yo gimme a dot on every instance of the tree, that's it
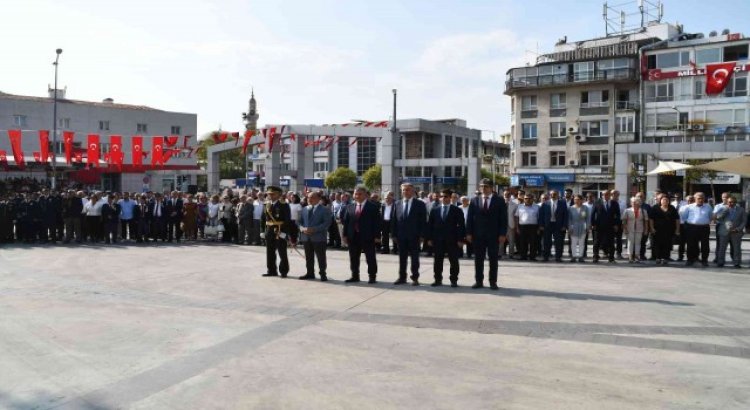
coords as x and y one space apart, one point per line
373 177
340 179
501 180
693 175
231 163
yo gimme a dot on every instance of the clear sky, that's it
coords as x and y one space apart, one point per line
310 61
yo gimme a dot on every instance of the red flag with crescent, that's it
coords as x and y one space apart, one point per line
44 145
68 143
718 76
172 140
246 141
115 150
15 145
92 157
137 150
157 145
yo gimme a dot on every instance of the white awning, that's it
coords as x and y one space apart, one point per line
668 166
738 165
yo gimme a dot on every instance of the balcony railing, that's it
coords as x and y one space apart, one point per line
621 74
626 105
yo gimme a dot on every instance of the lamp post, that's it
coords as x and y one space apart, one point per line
54 124
684 140
492 160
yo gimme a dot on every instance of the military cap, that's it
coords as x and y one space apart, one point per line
272 189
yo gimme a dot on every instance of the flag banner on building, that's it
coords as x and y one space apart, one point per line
171 140
37 156
331 141
157 144
220 137
92 156
718 76
115 150
246 141
4 160
137 151
78 155
354 141
269 137
44 145
236 136
68 143
15 145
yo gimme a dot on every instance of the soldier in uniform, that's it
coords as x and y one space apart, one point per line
275 223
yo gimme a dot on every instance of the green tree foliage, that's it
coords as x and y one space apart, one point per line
693 175
501 180
373 177
231 163
340 179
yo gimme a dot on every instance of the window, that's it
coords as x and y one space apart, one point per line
737 86
529 131
673 59
175 130
660 91
528 103
590 99
557 130
343 152
474 148
720 118
104 148
63 123
583 71
528 159
320 166
557 101
366 154
448 146
594 128
735 53
553 74
20 121
594 158
524 76
103 125
557 158
142 128
459 147
625 123
429 146
708 55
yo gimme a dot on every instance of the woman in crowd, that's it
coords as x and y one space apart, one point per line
190 218
665 223
295 208
202 212
635 224
225 213
578 227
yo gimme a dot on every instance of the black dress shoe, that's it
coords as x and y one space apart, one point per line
705 263
415 282
372 281
400 282
307 277
270 274
494 286
323 277
353 279
437 284
283 276
558 259
454 284
688 263
477 286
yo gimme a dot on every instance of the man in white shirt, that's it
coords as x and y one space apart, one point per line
511 237
527 228
465 202
258 206
387 210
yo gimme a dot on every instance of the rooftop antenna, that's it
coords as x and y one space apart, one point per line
618 18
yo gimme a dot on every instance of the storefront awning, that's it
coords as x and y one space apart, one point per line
668 166
738 165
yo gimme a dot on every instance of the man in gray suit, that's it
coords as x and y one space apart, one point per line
730 225
314 222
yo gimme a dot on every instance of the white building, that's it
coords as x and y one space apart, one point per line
106 118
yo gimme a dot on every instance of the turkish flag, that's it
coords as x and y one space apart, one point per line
44 145
269 137
718 76
137 150
93 150
4 160
115 150
220 137
157 145
248 135
236 136
172 140
15 145
68 142
78 156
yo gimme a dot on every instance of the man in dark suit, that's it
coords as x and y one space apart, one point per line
111 219
605 223
554 221
142 218
361 231
158 211
387 214
313 226
276 225
174 217
446 232
487 224
408 229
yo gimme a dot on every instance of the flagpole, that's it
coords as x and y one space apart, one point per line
53 183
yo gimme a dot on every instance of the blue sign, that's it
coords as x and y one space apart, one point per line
314 183
417 180
284 182
251 174
561 177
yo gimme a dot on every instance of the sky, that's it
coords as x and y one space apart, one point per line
309 61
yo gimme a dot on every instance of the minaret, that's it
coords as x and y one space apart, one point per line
251 117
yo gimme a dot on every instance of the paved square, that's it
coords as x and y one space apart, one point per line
196 326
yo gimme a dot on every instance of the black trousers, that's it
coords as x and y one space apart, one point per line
442 248
174 231
644 242
604 241
158 229
334 237
110 231
275 245
527 241
128 229
356 247
662 245
681 241
553 233
697 237
408 248
618 242
486 247
94 228
315 250
385 239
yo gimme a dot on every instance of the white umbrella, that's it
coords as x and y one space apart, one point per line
738 165
668 166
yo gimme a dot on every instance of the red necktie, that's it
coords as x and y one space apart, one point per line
486 203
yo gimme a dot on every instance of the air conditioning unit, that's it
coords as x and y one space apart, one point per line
320 174
580 138
573 163
572 131
697 127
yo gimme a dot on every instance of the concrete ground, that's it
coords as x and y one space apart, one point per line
197 327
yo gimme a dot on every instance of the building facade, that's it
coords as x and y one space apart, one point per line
572 107
681 122
31 114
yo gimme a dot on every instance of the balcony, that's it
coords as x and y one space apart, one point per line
558 80
626 105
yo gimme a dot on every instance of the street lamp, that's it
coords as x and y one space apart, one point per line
492 163
684 140
54 124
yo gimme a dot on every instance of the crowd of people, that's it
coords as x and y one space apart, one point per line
514 225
